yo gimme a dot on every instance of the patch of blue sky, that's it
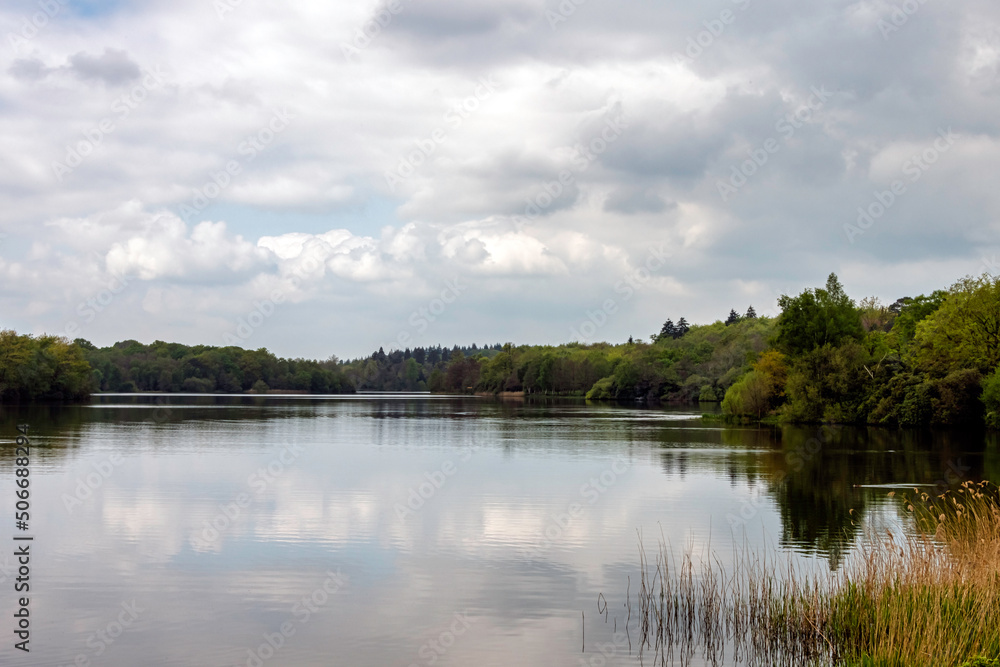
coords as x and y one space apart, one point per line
94 9
252 222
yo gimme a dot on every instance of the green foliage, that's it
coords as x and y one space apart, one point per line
929 360
827 384
436 381
912 312
991 398
957 401
750 396
982 662
603 389
964 332
412 370
708 394
713 354
626 374
817 317
875 316
44 368
760 390
699 365
130 366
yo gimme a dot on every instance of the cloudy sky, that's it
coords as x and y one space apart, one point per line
324 178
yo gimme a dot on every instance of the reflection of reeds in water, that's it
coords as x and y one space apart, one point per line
931 599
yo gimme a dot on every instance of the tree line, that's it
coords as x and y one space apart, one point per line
47 368
418 369
919 361
129 366
928 360
43 368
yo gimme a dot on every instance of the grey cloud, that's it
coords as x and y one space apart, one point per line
441 19
29 69
678 148
630 200
113 67
509 184
689 124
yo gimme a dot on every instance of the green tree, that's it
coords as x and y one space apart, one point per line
682 328
817 317
911 311
750 396
667 330
965 331
991 398
44 368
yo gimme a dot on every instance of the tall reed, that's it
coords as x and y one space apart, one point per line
929 597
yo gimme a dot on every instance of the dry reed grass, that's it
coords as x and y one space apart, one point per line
930 598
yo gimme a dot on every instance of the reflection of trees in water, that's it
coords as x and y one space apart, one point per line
815 516
816 493
813 474
991 458
56 431
817 475
737 453
813 484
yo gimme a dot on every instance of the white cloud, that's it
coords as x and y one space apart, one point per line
318 186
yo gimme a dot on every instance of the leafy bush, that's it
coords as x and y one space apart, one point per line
708 394
991 398
749 397
603 389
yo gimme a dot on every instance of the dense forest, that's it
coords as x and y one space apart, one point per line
42 368
418 369
926 360
52 369
919 361
131 366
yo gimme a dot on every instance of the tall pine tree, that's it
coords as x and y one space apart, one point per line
668 330
681 328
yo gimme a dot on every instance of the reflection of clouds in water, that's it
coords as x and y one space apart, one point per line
334 508
154 525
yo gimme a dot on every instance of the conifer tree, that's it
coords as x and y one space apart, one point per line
668 330
681 328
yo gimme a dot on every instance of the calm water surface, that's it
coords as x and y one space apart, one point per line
409 530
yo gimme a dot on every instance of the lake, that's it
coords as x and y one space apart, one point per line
405 530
